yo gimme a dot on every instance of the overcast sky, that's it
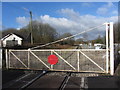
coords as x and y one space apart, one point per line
70 17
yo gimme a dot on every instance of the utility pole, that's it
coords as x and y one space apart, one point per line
31 27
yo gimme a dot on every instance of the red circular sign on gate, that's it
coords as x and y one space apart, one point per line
52 59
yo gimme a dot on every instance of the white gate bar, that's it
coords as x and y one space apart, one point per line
64 60
9 59
39 59
18 59
93 61
63 50
107 52
78 55
6 52
28 59
111 49
52 65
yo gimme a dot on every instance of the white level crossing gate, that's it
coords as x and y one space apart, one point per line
76 60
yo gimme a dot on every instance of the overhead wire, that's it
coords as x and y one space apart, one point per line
18 7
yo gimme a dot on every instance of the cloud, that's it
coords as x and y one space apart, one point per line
69 13
115 12
22 21
85 4
106 9
60 24
73 22
102 11
63 25
18 28
110 4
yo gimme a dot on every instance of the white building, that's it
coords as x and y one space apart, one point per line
11 40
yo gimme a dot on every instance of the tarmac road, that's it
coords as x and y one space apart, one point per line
104 82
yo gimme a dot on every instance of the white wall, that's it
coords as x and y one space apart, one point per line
11 38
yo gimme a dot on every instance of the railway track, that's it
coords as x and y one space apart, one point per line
24 80
65 81
33 80
59 81
51 80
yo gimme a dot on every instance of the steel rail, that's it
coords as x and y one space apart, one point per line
7 85
33 80
65 81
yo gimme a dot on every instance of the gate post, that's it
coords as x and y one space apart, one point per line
1 57
111 36
78 57
107 52
6 55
